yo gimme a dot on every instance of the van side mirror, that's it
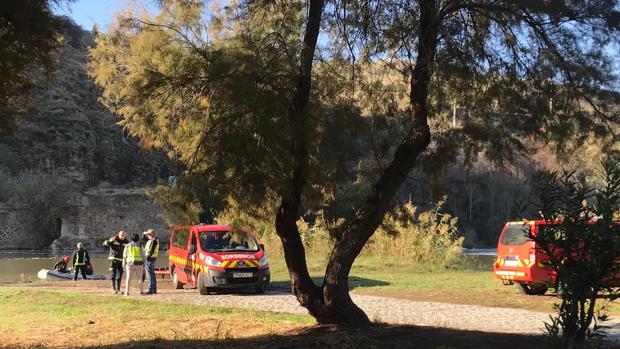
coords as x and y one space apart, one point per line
262 247
192 249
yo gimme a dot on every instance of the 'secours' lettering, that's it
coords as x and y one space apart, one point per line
236 256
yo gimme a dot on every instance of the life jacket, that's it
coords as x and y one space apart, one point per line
80 257
153 250
133 254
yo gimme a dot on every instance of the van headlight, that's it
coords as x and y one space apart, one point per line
263 261
213 262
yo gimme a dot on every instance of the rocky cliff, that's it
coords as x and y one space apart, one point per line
69 129
70 135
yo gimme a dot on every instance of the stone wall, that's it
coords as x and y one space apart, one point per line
99 215
13 234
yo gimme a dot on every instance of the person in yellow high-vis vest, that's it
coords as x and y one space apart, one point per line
151 250
133 260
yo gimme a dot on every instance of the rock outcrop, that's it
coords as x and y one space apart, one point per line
70 134
70 131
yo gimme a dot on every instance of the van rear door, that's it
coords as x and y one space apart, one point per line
514 245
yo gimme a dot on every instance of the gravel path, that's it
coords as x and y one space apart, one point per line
383 309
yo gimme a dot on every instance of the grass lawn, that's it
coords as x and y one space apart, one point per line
376 276
33 316
36 318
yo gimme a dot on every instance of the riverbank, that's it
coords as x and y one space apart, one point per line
40 317
443 304
370 275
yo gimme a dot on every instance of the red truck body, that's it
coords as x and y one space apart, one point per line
520 262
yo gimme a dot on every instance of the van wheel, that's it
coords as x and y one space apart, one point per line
531 289
260 289
202 285
175 280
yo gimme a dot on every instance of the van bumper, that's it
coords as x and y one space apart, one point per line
229 278
534 275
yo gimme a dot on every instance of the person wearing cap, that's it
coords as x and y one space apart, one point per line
80 261
151 250
117 246
133 260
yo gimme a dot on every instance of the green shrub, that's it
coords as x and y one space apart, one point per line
582 242
179 206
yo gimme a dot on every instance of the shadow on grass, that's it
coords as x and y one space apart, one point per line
377 336
354 282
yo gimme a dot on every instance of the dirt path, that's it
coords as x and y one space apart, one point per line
383 309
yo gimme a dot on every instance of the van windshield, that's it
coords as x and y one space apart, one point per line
516 234
223 241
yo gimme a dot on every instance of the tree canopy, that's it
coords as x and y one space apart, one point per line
258 98
29 34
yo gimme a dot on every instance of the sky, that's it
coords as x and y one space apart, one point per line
88 12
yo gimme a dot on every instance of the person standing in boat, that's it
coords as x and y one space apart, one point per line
117 246
151 250
80 261
133 260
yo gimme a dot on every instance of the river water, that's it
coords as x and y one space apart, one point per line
22 266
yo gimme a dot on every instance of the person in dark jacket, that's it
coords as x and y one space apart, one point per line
80 261
117 246
151 250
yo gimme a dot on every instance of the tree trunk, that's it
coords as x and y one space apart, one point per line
307 292
354 235
332 303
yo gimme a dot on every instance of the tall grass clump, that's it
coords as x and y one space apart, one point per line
316 237
428 237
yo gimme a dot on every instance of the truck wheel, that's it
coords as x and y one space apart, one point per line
260 289
531 289
202 285
175 280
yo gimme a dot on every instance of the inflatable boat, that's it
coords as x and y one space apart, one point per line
52 274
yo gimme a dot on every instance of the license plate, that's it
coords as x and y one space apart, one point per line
242 275
511 261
